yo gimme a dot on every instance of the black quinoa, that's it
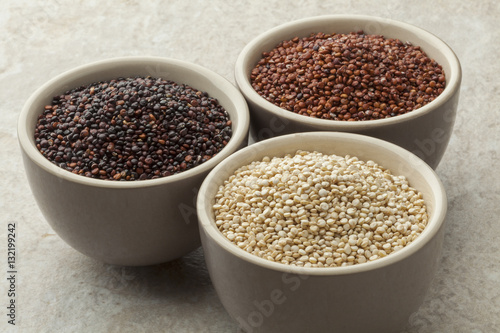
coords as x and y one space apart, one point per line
132 129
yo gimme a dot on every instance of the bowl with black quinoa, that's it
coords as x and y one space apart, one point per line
116 150
352 73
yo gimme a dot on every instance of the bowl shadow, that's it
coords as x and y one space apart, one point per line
185 279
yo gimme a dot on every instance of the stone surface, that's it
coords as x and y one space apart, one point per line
60 290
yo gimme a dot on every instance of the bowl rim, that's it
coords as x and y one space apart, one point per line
239 133
243 81
436 221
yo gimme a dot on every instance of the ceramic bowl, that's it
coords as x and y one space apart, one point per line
376 296
425 131
133 222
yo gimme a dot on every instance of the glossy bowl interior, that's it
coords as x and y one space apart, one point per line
377 296
425 131
126 222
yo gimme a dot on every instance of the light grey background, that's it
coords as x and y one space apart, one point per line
60 290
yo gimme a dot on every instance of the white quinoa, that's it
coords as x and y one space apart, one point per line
316 210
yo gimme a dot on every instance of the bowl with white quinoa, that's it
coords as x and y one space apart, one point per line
322 231
352 73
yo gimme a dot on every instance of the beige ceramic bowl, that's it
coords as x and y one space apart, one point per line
126 223
375 297
425 131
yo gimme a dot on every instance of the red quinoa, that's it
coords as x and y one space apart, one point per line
351 76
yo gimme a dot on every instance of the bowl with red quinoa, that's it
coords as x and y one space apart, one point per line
322 232
352 73
116 150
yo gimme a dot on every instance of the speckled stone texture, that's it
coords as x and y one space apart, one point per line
60 290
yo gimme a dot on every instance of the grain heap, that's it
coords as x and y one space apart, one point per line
316 210
133 128
348 77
